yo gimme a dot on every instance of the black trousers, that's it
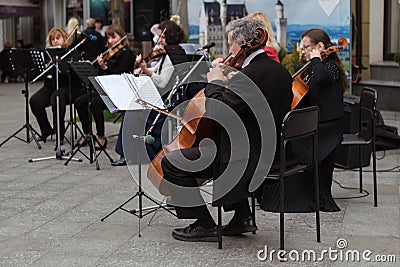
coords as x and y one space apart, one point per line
97 107
64 100
38 102
176 175
46 97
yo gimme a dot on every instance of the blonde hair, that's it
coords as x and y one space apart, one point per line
53 32
271 36
72 24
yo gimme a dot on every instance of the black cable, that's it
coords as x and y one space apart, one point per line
393 169
383 156
366 193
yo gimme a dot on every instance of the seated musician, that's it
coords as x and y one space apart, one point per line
327 82
260 81
162 74
118 61
46 96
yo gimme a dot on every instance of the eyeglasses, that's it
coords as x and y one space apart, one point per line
306 46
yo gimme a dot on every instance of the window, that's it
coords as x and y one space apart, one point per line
391 37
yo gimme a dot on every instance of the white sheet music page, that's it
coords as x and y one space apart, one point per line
124 89
118 90
146 90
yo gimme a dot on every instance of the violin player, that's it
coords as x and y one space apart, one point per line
46 96
117 59
274 83
168 53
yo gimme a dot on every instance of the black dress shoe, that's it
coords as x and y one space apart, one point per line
239 226
98 147
196 233
120 162
81 143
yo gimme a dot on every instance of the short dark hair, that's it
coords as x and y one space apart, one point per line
98 19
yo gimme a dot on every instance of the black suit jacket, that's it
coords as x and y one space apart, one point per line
236 162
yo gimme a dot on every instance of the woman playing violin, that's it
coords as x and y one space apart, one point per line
45 96
259 76
171 35
118 59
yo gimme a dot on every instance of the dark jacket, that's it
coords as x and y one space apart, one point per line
121 62
92 48
326 92
236 162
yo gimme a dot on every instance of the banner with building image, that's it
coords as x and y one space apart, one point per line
289 18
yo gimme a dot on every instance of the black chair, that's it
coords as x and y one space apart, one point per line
365 136
298 125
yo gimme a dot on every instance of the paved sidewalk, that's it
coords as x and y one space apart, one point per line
50 213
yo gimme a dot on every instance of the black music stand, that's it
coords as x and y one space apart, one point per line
27 62
137 155
84 70
57 57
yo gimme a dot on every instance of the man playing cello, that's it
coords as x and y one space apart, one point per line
261 84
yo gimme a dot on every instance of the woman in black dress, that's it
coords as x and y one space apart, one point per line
120 62
326 87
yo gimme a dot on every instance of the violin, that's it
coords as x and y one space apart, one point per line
300 84
154 54
110 52
195 127
113 51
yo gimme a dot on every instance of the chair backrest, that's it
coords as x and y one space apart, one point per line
300 122
368 101
300 125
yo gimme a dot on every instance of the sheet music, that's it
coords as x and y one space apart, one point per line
146 89
124 89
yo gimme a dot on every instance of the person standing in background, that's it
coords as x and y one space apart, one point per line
94 45
272 47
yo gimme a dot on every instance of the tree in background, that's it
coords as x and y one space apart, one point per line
292 62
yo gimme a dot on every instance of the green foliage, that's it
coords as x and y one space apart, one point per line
292 62
108 116
397 57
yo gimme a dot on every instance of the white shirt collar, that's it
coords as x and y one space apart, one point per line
252 55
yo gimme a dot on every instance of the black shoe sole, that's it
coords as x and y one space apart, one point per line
239 231
196 239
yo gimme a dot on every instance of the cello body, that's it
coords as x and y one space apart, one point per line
194 129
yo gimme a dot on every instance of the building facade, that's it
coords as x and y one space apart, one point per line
214 17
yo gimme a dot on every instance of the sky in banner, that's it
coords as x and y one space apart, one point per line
333 16
297 12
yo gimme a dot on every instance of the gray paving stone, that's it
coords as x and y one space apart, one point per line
50 214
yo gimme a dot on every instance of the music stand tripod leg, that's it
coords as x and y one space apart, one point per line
29 129
141 211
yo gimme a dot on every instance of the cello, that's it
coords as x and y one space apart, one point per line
194 126
300 84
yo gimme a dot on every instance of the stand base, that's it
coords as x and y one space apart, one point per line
59 155
139 212
30 131
93 156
